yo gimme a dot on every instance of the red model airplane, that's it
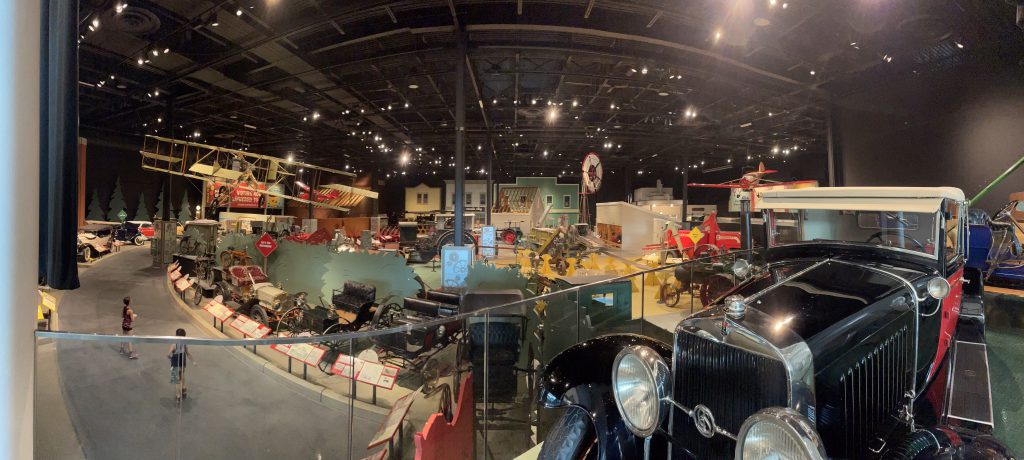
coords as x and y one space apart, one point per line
750 179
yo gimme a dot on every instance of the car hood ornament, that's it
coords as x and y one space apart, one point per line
704 420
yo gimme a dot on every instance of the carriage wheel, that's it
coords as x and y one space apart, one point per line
669 294
713 253
138 240
290 320
714 287
225 259
87 253
508 236
198 296
258 315
385 316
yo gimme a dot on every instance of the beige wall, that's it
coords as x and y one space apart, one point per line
433 199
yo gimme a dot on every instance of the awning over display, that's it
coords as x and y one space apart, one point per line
908 199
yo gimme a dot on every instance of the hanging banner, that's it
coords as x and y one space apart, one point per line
242 197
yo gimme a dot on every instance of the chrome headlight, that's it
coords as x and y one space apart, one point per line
938 288
741 268
778 432
640 383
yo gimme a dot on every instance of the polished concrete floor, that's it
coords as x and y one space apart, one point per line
125 409
1005 337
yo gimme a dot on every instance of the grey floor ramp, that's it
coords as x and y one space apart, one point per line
125 409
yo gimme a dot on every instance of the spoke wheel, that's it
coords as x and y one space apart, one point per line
714 287
198 296
257 314
669 294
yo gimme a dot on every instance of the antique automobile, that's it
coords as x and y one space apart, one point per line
258 298
860 334
995 245
94 240
145 227
199 238
412 349
131 232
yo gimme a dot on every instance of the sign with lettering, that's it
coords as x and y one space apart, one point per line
218 310
250 327
372 373
266 245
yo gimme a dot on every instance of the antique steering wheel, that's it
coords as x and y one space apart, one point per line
878 236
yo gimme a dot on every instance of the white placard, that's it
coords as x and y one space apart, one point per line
455 264
488 241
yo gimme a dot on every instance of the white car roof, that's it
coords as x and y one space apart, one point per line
908 199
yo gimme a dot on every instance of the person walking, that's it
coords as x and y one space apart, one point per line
179 356
128 318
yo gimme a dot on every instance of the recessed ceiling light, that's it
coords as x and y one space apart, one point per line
414 86
663 93
121 86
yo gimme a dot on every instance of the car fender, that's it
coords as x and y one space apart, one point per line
582 376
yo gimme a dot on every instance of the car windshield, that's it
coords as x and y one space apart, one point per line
906 231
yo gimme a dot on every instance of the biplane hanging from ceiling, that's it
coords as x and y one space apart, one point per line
253 173
754 181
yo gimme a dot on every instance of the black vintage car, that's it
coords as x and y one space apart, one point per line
859 335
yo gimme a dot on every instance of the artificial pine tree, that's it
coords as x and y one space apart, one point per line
159 205
116 202
95 211
142 211
184 214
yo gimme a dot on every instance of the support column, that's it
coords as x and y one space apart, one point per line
169 127
830 140
686 188
460 135
21 25
490 183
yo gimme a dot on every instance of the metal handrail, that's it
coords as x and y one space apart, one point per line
349 336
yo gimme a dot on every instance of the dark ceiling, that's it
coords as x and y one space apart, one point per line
647 83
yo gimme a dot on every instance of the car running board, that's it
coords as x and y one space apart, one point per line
970 392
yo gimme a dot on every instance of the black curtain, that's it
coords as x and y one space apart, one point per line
58 163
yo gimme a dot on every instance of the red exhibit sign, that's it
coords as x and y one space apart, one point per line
376 374
249 327
304 352
218 310
266 245
241 195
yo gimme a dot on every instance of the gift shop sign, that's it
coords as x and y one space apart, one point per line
266 245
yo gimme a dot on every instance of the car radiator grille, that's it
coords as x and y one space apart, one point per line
731 382
872 390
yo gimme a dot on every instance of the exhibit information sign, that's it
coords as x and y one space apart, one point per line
307 353
175 274
455 264
394 420
172 267
376 374
266 245
182 284
218 310
249 327
488 241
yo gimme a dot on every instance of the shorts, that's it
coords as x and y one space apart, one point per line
175 374
126 331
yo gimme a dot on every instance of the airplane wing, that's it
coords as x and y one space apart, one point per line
252 172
